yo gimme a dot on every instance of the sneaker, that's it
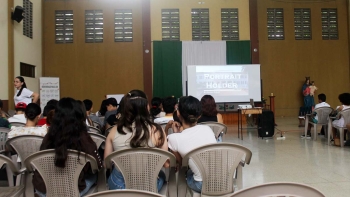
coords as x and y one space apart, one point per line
308 136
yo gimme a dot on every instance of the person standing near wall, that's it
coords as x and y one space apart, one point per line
308 102
22 93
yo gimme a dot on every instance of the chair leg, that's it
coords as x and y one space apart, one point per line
341 135
315 131
306 124
329 130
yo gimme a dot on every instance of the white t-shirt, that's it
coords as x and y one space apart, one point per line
190 139
25 96
17 131
163 120
18 118
318 105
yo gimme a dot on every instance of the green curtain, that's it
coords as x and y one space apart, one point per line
238 52
167 74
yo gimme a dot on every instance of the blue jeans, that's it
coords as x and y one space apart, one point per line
193 184
90 180
116 180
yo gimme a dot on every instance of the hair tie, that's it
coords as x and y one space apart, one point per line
155 107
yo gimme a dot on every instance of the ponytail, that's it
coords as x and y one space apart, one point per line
21 79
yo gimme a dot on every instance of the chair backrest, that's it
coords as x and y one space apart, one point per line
97 138
97 125
17 124
124 193
217 128
346 115
25 145
94 130
217 164
140 166
279 189
60 181
3 137
323 114
9 164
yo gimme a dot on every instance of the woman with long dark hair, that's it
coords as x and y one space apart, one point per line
134 129
22 93
68 131
209 112
191 137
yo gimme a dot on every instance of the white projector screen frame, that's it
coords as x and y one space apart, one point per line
226 83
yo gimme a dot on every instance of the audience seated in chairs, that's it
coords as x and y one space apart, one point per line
32 112
47 109
169 104
321 103
157 108
89 107
19 116
134 130
112 106
112 120
68 131
345 101
3 121
193 136
175 125
209 112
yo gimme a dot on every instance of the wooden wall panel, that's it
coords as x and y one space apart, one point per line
92 70
285 63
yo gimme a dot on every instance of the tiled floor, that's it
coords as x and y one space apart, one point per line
314 163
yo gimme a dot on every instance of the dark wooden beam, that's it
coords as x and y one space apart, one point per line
147 53
254 34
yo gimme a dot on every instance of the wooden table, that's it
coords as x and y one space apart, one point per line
240 118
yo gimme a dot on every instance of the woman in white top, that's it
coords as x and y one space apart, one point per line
134 129
345 101
22 93
32 113
191 137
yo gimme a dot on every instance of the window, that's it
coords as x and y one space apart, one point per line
27 70
200 24
93 26
28 18
64 26
229 24
170 24
123 25
275 24
329 23
302 23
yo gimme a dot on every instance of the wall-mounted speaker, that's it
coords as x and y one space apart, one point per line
17 14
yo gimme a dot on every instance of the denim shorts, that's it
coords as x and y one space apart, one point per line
193 184
116 180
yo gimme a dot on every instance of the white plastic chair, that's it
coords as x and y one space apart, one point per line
219 165
218 128
279 189
323 119
346 115
11 191
140 168
125 193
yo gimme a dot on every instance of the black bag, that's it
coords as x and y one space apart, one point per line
266 124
